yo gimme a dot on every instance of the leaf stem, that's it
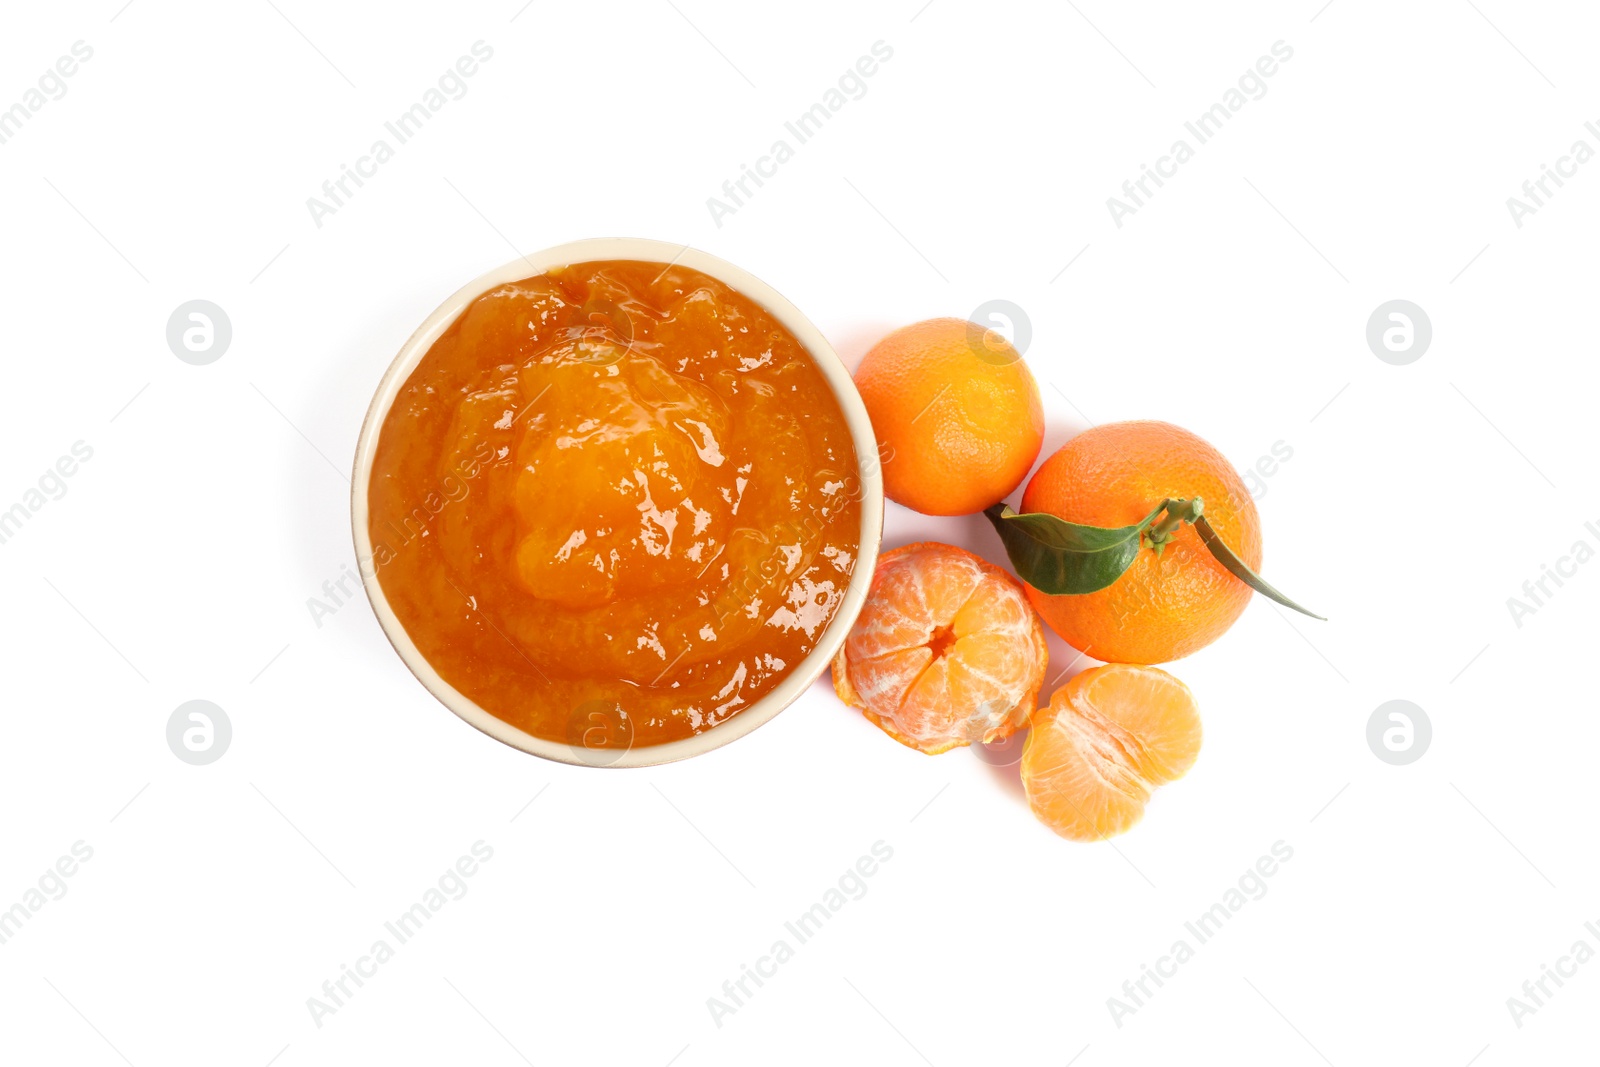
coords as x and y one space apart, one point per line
1178 512
1161 532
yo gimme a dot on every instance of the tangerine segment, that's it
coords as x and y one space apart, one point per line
1107 739
946 651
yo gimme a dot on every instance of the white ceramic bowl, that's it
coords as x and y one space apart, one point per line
855 413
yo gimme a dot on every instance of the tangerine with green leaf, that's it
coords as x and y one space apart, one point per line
1176 596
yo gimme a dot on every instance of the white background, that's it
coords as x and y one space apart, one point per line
179 563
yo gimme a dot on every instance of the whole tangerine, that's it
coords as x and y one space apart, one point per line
956 412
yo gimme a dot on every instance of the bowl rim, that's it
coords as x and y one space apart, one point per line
869 471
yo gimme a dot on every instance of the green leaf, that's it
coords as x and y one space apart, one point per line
1228 559
1058 557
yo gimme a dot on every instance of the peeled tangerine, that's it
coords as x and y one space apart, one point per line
1106 740
946 651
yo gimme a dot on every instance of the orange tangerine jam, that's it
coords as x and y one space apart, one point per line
615 503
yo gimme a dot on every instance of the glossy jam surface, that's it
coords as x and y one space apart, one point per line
614 504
